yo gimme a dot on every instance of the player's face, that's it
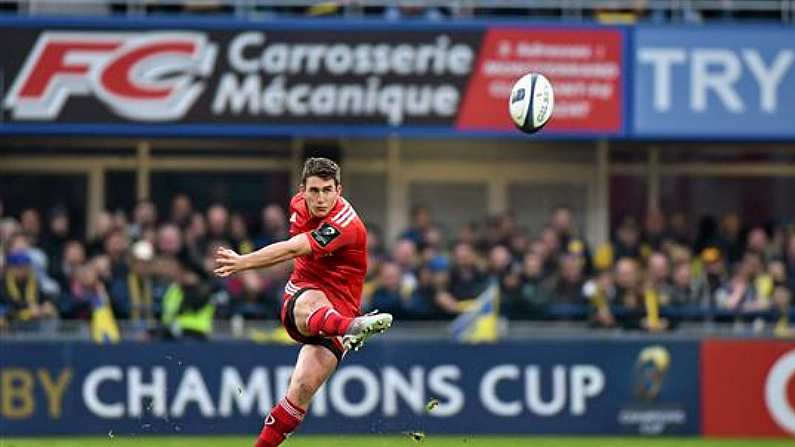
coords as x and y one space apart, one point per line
320 195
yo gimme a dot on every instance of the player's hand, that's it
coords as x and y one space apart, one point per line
227 262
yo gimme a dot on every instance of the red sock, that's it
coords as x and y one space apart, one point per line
280 423
327 322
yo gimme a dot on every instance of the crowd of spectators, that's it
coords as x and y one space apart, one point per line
606 12
155 271
652 275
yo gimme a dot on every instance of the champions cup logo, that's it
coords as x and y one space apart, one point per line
650 416
777 392
146 76
650 370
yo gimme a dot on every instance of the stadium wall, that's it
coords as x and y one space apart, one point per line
647 386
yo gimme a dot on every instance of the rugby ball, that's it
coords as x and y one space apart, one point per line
531 102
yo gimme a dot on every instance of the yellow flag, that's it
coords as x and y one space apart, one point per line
103 324
652 308
480 322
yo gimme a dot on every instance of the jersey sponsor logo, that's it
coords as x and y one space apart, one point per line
146 76
325 234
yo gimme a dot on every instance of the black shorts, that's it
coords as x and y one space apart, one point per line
333 344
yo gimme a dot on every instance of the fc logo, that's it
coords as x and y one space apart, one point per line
148 76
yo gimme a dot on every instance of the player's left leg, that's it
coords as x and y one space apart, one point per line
314 366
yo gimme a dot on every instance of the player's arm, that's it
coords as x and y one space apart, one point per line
229 262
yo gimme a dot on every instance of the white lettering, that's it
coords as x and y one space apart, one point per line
459 59
585 381
403 59
238 46
297 99
438 57
533 391
257 390
319 405
445 101
90 392
488 391
322 102
337 391
192 389
138 392
440 384
410 391
235 96
662 61
339 59
776 387
283 374
275 58
768 79
721 82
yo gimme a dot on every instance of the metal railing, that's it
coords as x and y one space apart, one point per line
669 10
263 331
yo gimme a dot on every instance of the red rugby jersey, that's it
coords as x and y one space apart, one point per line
338 262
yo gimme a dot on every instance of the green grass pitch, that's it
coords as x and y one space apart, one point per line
388 441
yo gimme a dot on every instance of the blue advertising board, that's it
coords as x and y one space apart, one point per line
721 82
543 387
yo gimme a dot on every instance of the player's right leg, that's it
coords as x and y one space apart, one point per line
363 327
315 316
314 366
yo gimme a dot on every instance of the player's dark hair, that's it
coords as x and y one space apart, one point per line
321 167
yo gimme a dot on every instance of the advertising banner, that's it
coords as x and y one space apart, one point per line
291 77
718 82
584 66
748 388
567 387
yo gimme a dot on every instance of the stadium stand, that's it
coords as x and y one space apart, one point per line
657 271
613 11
